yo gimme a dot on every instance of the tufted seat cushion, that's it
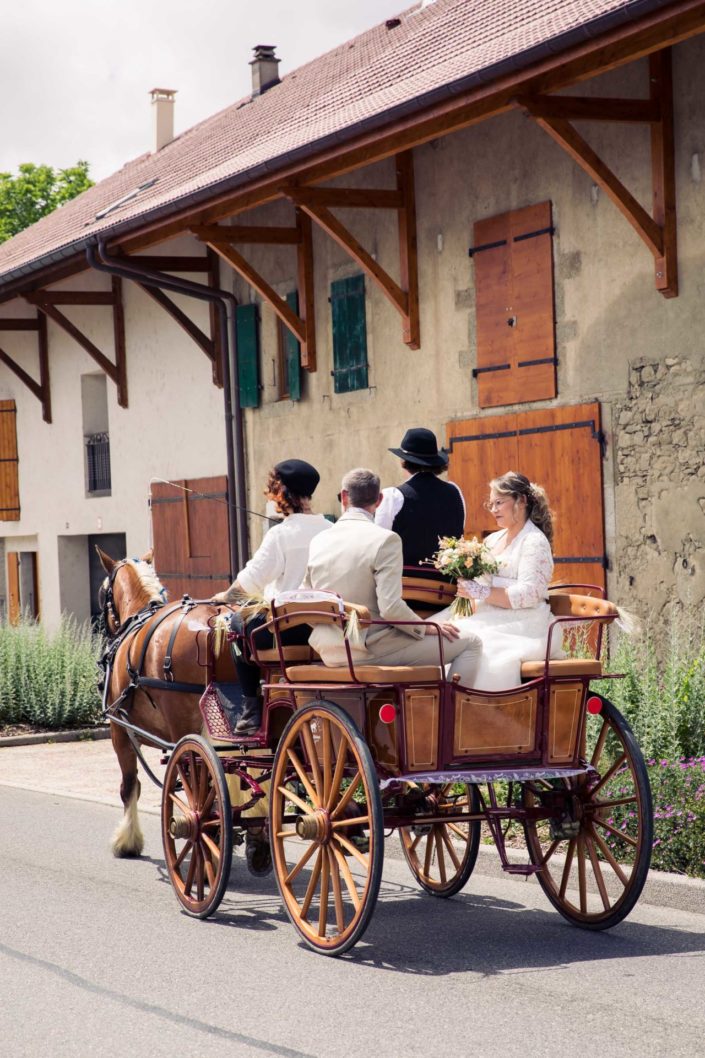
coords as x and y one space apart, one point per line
364 673
570 667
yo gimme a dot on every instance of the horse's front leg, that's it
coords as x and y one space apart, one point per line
128 839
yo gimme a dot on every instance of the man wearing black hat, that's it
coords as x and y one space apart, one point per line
424 507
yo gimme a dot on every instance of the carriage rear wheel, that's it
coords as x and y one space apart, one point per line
596 857
326 827
197 826
441 856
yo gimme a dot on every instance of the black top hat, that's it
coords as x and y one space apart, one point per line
298 476
420 446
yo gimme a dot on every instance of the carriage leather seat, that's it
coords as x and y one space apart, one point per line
292 653
364 673
567 667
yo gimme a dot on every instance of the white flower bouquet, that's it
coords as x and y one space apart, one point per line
461 559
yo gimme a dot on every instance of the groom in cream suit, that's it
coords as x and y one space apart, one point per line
363 563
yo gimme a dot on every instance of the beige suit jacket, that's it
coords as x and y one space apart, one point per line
363 563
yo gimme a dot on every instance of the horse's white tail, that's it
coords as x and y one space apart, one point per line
128 839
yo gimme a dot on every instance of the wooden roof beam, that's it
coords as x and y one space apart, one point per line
597 108
658 232
248 233
41 390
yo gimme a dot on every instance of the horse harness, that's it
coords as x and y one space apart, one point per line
128 630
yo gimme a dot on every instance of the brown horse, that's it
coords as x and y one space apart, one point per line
159 641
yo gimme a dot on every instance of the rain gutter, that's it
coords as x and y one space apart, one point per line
225 304
630 13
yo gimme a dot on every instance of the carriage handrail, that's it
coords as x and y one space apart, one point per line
601 620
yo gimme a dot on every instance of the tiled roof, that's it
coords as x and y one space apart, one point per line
435 48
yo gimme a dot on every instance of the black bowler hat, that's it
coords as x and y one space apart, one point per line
298 476
420 446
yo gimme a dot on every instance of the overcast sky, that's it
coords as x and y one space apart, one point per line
75 74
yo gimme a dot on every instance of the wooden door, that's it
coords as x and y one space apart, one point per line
14 607
190 535
558 448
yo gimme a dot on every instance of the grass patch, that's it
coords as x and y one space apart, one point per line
49 680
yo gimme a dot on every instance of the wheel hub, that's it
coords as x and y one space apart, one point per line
184 826
314 827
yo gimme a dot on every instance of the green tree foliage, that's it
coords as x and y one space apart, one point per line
36 191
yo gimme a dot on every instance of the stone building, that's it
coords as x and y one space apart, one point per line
476 218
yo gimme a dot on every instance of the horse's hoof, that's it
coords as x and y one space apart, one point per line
258 856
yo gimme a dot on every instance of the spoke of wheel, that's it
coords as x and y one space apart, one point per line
608 775
347 877
429 854
347 796
414 843
208 803
301 864
458 832
210 845
354 821
210 873
203 784
597 871
607 853
294 798
337 891
327 776
313 882
551 849
287 834
298 766
441 857
188 881
313 759
184 783
177 801
600 744
339 771
613 802
449 845
325 887
200 874
582 884
613 830
566 867
182 855
352 850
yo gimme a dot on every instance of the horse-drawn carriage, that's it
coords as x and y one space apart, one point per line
348 753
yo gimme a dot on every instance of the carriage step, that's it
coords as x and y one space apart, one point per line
221 707
520 868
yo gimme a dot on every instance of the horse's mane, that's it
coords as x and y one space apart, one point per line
150 587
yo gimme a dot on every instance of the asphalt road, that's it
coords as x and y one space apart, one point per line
97 959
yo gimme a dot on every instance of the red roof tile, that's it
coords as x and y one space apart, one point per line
363 80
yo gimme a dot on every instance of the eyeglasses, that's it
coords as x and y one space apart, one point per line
340 497
492 505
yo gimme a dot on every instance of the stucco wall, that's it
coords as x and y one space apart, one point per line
612 329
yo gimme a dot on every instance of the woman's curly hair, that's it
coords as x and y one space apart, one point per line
287 502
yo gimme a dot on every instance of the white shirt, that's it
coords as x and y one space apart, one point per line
279 564
393 501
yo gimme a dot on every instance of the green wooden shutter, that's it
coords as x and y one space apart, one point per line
347 298
292 351
247 320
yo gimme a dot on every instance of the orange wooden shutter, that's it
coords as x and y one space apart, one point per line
559 448
9 476
190 534
14 608
516 351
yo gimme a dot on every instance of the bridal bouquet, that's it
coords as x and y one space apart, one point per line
462 559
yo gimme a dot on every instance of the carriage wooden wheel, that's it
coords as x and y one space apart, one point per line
596 857
441 856
196 826
326 827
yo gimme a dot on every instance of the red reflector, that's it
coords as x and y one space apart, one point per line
594 705
387 713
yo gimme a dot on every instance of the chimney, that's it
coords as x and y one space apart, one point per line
265 69
163 105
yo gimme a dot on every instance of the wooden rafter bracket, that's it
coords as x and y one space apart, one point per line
41 390
47 300
220 240
658 231
316 203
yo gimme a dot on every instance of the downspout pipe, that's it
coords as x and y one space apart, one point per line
225 304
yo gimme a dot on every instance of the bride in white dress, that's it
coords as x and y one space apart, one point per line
512 612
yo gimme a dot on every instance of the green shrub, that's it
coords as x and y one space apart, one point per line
678 790
49 680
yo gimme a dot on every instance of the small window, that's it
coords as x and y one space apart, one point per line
288 356
96 436
347 299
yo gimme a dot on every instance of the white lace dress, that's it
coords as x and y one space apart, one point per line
510 636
